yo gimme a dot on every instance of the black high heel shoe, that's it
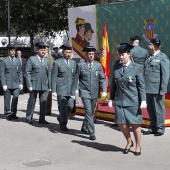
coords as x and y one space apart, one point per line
127 150
137 153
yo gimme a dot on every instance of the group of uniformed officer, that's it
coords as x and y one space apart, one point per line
155 66
62 82
139 80
156 75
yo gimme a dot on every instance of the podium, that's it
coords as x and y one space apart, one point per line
108 114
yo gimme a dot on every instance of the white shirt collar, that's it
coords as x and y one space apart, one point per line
11 58
156 52
127 64
65 60
40 58
88 63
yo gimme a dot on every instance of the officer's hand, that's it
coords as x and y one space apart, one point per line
54 94
143 104
5 87
76 91
110 104
104 94
162 93
49 89
20 86
73 97
30 88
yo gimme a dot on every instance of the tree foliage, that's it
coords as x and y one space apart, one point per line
35 16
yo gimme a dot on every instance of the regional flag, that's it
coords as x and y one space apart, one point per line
105 57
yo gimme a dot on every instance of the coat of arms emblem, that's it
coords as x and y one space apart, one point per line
149 27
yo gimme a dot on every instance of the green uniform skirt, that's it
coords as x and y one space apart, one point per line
128 115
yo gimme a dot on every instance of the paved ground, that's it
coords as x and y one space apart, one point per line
45 147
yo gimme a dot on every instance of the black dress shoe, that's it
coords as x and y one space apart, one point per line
14 116
92 137
64 129
84 131
48 113
9 118
125 151
148 133
158 134
43 122
137 153
29 121
114 125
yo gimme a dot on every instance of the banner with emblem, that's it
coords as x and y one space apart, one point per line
82 29
145 18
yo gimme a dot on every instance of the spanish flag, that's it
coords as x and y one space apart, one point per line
105 57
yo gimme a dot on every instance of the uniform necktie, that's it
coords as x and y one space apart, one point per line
124 68
150 58
90 66
12 59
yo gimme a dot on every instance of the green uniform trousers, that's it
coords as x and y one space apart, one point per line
65 105
32 101
88 123
156 111
10 110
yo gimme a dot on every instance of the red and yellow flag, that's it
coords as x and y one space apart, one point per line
105 57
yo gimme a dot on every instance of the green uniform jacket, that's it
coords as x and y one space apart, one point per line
89 80
156 73
38 76
62 77
128 88
11 73
139 55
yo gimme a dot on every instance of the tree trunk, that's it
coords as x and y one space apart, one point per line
31 41
67 34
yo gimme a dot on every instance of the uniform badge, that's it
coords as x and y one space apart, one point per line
96 73
155 60
130 79
140 70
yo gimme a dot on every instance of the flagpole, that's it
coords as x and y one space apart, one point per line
9 39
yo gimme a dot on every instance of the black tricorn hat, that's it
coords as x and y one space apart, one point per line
136 37
155 41
66 47
55 48
10 47
40 45
124 47
89 49
88 27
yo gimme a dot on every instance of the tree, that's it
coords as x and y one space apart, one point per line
35 16
3 17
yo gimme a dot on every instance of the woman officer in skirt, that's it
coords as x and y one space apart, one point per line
128 95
